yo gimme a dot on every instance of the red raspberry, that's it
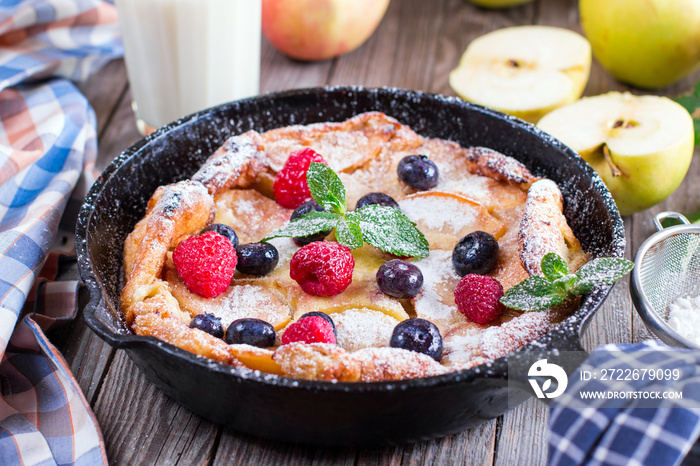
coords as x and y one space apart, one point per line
477 298
322 268
309 330
291 189
206 263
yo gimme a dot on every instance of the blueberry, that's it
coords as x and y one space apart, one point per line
250 331
323 315
306 207
208 323
256 258
418 335
376 198
418 171
223 230
475 253
399 279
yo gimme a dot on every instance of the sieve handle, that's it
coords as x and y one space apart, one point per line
664 215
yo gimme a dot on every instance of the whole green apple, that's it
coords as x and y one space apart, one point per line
641 146
646 43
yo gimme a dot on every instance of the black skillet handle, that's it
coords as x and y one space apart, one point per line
104 320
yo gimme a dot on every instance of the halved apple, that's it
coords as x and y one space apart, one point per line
640 145
525 71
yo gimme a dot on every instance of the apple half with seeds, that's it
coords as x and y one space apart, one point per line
641 146
525 71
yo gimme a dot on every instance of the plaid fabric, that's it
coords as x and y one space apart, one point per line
47 151
629 432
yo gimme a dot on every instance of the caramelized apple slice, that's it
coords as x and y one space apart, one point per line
363 292
252 215
244 298
445 218
259 359
363 328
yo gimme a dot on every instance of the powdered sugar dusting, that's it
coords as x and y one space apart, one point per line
182 196
230 162
363 328
395 364
474 187
498 166
539 234
500 340
436 301
684 317
249 301
286 249
438 213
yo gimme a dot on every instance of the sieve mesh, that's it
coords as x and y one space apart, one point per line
670 269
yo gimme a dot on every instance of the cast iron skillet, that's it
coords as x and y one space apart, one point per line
321 412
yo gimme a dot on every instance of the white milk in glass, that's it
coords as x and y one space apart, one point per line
186 55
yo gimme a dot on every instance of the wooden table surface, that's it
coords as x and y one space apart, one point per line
416 45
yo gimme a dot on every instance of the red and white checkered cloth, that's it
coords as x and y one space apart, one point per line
48 147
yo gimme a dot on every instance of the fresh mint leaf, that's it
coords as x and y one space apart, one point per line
389 229
533 294
688 102
308 224
554 266
348 232
604 270
566 283
557 284
691 102
326 187
385 228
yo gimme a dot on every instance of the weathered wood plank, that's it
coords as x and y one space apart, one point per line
474 447
237 448
465 22
119 134
104 89
523 435
278 72
141 425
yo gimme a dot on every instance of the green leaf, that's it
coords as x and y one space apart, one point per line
326 187
602 270
348 232
390 230
691 102
566 283
308 224
533 294
696 128
688 102
554 266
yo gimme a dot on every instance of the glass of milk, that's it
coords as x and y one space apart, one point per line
187 55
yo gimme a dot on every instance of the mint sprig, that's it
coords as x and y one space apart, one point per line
691 102
557 284
385 228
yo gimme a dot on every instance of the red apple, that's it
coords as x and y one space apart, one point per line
320 29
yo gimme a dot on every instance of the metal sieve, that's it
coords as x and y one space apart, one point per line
666 267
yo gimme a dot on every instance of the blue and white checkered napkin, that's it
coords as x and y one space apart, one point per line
47 151
628 431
